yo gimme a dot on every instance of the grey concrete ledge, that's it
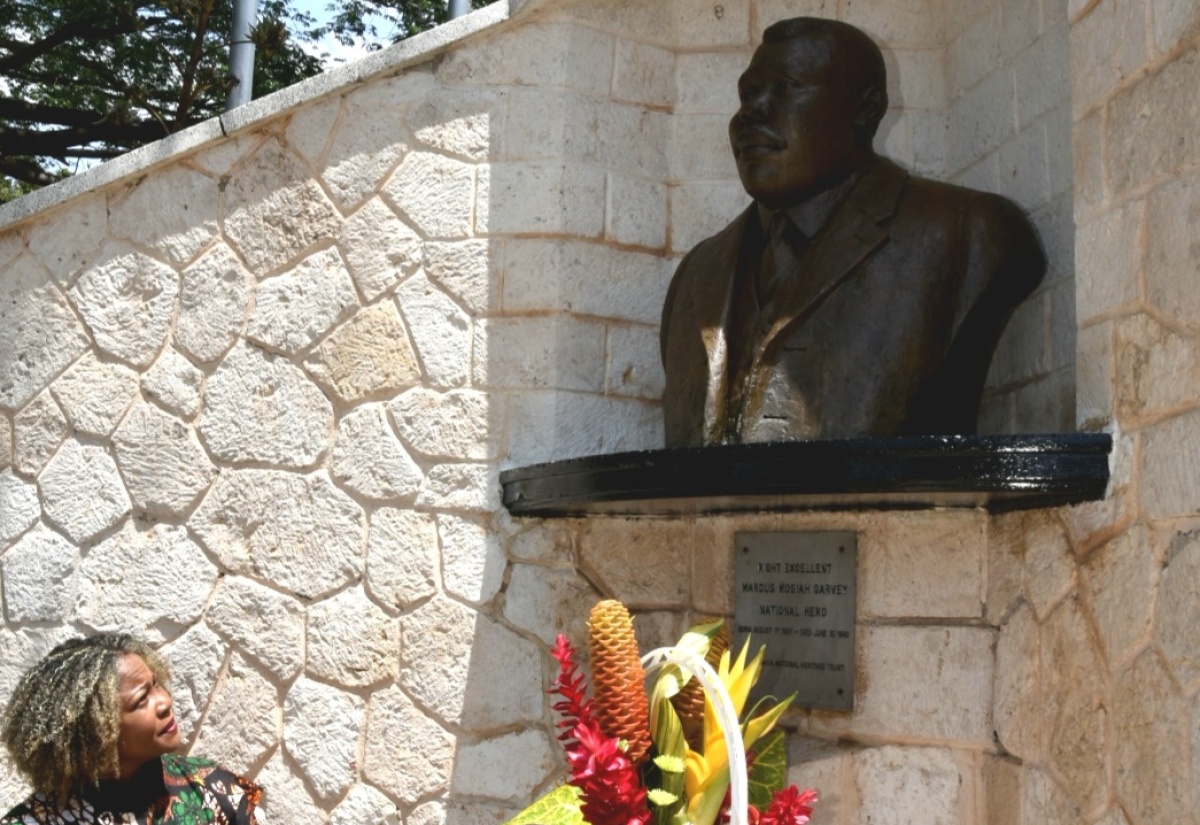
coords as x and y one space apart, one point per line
127 165
415 50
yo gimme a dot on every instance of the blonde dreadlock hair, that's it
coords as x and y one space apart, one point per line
62 723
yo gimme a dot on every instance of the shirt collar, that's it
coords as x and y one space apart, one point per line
810 216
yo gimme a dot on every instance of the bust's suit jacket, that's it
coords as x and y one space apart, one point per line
888 329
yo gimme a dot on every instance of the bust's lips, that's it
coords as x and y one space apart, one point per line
755 141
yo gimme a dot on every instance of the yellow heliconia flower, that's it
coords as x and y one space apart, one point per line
667 725
707 772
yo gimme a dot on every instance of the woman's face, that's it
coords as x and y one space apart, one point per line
148 727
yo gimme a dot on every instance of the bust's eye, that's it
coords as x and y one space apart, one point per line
749 90
774 87
789 86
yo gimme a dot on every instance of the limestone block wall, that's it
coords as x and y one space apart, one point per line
1008 130
918 746
254 399
257 384
1097 695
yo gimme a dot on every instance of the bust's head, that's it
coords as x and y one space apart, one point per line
811 102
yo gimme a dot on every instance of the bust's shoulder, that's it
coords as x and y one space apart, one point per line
993 233
973 206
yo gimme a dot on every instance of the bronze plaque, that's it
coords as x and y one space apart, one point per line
795 593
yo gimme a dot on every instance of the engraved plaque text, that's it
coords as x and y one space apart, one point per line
795 593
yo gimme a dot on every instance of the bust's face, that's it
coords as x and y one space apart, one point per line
794 135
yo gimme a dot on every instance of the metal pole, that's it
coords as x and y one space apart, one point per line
241 53
458 8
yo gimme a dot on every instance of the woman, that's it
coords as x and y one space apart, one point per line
92 728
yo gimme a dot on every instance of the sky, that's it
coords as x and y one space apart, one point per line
336 51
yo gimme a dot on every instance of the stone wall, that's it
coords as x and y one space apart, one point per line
1009 119
1096 690
255 392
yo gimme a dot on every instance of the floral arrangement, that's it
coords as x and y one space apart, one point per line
681 750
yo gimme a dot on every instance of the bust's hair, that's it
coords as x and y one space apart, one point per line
857 54
61 725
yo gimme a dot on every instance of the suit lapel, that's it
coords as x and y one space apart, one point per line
855 230
714 307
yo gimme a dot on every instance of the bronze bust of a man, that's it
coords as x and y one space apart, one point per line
851 298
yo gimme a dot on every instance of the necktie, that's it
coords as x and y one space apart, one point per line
781 255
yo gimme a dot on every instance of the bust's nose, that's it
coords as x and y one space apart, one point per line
750 114
756 107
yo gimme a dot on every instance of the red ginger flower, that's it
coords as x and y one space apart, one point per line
569 684
790 806
612 790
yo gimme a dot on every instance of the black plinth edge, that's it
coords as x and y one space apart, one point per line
1012 472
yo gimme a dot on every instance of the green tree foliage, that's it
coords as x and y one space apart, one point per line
91 79
359 20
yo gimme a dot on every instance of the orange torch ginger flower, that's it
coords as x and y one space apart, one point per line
617 678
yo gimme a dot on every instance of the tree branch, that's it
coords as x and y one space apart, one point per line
187 93
87 27
62 143
26 171
105 80
12 109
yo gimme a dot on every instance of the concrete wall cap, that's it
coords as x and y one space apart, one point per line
417 49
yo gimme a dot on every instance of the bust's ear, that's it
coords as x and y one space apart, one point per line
871 106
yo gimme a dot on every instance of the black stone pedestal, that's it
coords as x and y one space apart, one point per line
996 472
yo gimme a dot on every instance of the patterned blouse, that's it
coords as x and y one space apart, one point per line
189 791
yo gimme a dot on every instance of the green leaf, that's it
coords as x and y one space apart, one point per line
561 806
761 725
667 733
769 771
700 637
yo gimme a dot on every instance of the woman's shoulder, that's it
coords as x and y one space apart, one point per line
36 810
184 766
224 792
22 814
198 769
